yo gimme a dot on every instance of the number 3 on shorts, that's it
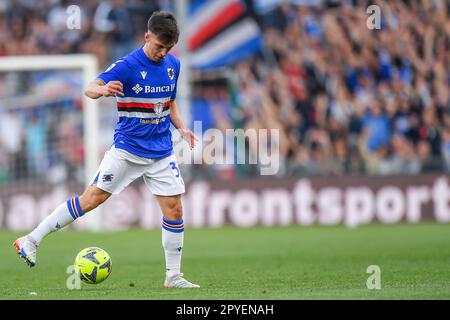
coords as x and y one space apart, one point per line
175 168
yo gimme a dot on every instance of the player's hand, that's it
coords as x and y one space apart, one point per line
111 89
189 136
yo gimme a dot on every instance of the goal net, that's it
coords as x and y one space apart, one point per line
49 136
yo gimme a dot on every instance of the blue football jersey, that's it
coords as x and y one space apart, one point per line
149 88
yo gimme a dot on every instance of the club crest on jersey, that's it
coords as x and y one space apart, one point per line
171 73
158 108
143 74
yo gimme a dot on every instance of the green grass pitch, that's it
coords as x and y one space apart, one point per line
258 263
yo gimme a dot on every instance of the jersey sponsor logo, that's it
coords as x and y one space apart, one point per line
143 74
159 89
149 89
137 88
152 121
171 73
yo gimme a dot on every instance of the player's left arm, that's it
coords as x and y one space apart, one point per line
175 119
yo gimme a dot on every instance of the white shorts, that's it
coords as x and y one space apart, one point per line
119 168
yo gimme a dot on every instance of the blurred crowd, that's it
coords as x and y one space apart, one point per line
44 141
357 100
105 28
346 99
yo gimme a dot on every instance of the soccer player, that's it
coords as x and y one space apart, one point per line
144 83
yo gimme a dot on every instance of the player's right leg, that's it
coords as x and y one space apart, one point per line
114 174
62 216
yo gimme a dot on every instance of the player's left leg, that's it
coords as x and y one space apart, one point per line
172 240
164 180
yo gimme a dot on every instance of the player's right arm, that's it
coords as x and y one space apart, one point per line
110 82
98 88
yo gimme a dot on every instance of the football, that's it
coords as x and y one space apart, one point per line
93 265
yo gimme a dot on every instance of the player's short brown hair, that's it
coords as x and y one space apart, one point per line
164 25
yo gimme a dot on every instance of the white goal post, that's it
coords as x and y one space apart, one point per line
88 64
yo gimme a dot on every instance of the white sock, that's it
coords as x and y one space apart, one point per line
172 240
63 215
